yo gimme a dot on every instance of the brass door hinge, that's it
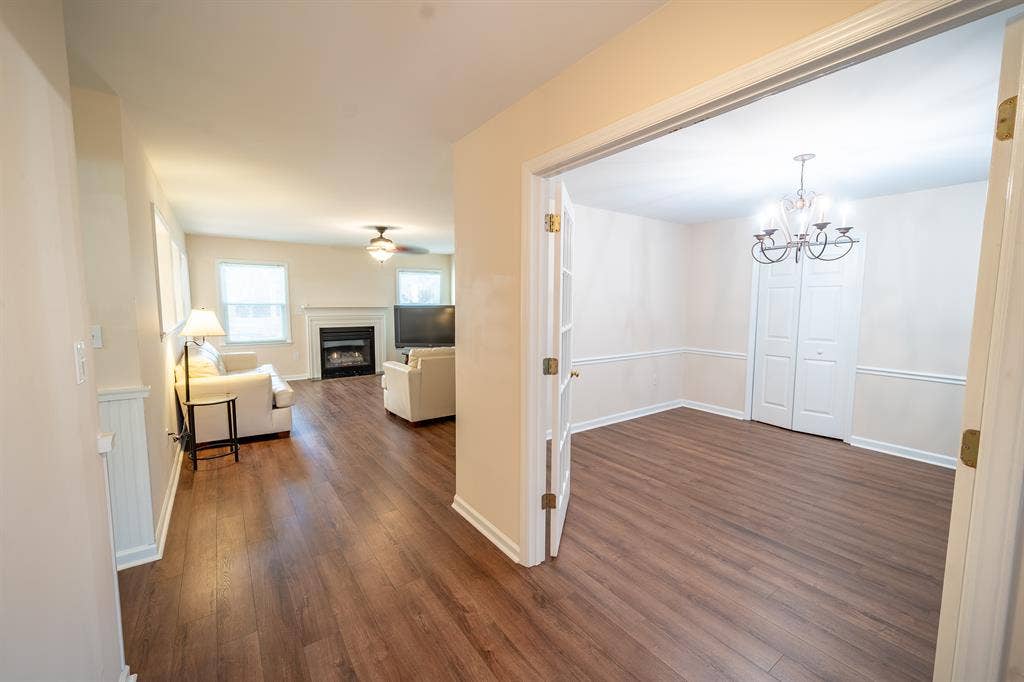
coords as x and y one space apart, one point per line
548 501
550 366
552 222
1006 117
969 447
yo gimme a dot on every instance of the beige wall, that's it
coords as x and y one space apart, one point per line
58 603
118 190
627 298
918 297
676 48
317 276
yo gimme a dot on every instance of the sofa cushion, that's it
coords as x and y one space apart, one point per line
203 361
416 353
284 396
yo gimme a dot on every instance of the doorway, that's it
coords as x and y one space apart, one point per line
730 93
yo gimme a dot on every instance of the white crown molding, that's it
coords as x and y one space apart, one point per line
488 529
106 395
936 458
912 375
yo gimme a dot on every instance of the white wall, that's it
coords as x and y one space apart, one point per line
118 190
627 298
58 602
317 276
920 272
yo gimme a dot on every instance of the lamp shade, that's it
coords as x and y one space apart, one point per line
202 322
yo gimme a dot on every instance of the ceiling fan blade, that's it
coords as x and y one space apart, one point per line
412 250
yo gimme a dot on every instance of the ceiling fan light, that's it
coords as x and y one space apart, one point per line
380 255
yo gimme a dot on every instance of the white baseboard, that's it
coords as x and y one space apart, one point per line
713 409
903 451
126 675
489 531
295 377
624 416
143 554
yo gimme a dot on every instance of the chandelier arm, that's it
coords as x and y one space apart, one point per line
841 239
765 259
818 242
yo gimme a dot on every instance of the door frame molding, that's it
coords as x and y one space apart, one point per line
875 31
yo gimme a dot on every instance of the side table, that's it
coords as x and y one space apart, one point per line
231 442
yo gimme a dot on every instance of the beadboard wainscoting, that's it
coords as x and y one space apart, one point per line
336 316
131 502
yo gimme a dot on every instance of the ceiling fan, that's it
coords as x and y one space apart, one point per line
381 248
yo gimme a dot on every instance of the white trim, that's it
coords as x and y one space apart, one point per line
879 29
913 375
486 528
126 675
296 377
602 359
340 316
903 451
106 395
625 416
755 291
104 443
714 409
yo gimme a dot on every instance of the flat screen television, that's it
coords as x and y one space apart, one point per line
424 326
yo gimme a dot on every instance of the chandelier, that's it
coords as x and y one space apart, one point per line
793 215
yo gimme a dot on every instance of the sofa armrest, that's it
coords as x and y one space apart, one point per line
402 388
239 362
254 404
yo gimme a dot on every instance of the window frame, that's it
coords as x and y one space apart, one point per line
222 306
172 276
434 271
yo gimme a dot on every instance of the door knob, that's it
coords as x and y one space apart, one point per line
574 374
819 352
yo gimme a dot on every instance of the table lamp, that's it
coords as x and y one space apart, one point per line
200 324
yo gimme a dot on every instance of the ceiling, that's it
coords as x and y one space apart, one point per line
307 121
919 117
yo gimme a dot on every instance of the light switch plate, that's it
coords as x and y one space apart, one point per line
80 362
96 336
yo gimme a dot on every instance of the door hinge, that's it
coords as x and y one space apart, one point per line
552 222
969 447
550 366
548 501
1006 118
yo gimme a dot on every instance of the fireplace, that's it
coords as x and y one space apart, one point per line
346 351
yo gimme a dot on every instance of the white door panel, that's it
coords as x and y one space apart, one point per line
775 348
827 345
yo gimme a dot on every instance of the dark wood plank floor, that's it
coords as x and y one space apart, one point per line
696 547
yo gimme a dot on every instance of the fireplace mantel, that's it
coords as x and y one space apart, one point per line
345 316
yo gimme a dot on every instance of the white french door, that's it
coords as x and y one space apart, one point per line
805 346
561 386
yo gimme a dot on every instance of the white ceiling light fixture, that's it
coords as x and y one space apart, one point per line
381 249
796 214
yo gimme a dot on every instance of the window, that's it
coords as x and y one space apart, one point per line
419 287
254 301
172 276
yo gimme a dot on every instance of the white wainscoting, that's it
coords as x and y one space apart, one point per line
330 316
600 359
131 502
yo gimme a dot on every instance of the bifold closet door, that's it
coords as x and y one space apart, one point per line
775 346
827 343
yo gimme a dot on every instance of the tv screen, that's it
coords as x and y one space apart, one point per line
424 325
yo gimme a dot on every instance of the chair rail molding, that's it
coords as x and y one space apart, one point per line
913 375
122 413
619 357
318 317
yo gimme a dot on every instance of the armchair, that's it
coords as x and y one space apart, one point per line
422 389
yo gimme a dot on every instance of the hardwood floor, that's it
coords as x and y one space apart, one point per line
696 547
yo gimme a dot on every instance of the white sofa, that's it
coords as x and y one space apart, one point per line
264 398
422 389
